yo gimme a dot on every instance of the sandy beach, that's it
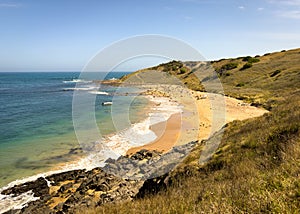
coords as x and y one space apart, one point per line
168 133
202 116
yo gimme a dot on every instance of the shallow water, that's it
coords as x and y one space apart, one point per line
36 127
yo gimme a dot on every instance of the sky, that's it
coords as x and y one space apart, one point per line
63 35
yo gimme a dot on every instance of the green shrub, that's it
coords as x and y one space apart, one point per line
246 59
182 70
253 60
246 66
250 59
229 66
174 67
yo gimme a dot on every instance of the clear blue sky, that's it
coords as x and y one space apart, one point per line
65 34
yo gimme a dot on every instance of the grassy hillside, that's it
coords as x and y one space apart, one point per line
177 69
261 80
269 79
257 166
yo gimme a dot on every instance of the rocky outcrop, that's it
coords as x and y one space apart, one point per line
145 165
126 178
39 187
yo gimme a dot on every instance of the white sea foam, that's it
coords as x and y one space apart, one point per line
112 146
77 81
137 134
80 88
99 92
7 202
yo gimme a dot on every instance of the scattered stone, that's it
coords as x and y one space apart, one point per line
124 179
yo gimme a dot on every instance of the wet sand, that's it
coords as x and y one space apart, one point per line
203 114
168 133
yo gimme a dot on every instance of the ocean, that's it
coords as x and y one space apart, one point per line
36 126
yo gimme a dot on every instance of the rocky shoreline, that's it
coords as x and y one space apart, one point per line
123 179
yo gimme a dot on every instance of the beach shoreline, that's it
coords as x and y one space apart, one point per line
167 133
198 120
184 116
84 161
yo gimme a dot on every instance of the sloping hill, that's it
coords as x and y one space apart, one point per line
257 166
176 69
269 78
261 80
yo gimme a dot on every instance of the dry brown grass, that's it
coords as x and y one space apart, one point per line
257 166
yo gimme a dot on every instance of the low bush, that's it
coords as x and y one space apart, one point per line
182 70
246 66
250 59
230 66
245 59
253 60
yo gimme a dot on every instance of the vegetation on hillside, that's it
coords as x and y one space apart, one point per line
256 168
269 80
183 73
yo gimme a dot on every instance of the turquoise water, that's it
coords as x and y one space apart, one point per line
36 127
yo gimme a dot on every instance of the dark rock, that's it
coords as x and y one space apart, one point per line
102 187
152 186
65 187
59 206
110 160
120 180
36 207
13 212
72 201
144 154
63 176
39 187
75 151
66 207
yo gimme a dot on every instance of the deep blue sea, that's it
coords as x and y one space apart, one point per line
36 127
